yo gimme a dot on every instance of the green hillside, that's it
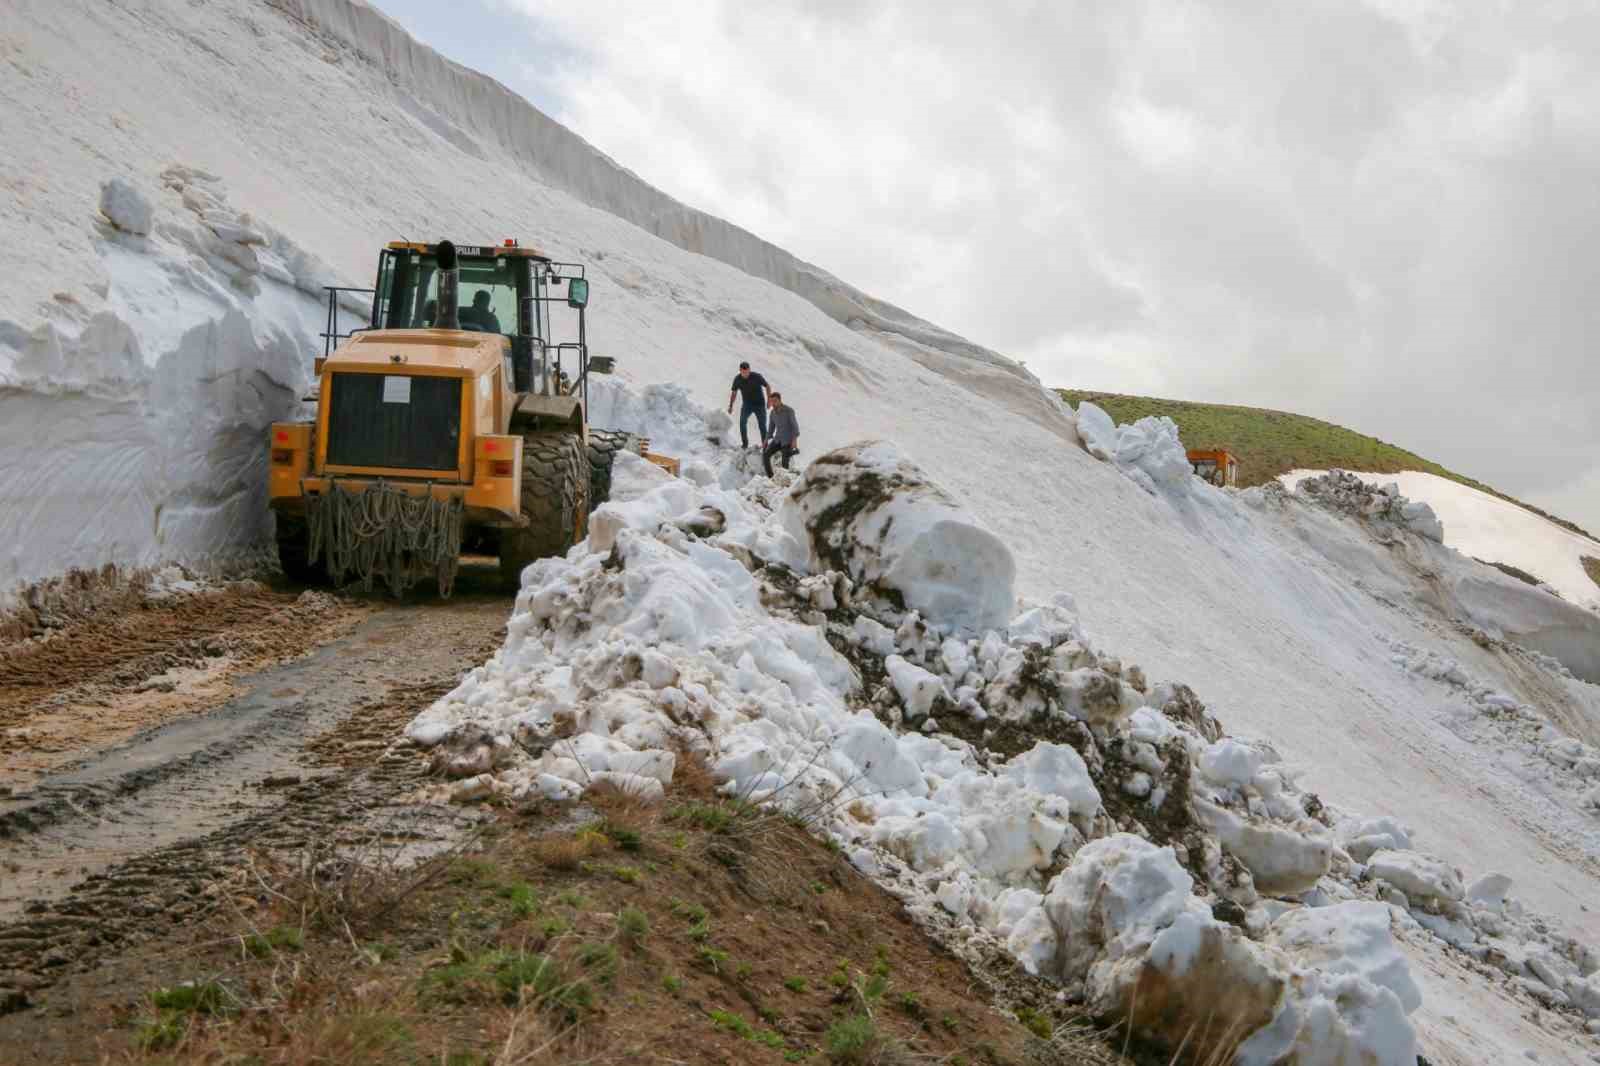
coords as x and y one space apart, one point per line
1269 443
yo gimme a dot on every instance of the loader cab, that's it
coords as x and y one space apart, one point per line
537 304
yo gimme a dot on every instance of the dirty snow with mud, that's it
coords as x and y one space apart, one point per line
848 641
138 371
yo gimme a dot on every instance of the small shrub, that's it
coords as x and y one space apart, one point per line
571 898
733 1023
553 927
522 975
795 984
523 899
1037 1024
711 958
162 1031
851 1041
280 938
194 997
700 930
873 987
633 924
949 1022
690 912
909 1003
672 983
568 853
601 958
628 875
625 838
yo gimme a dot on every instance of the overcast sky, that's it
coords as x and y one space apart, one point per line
1383 213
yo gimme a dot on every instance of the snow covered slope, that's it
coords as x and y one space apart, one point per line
1494 530
1297 625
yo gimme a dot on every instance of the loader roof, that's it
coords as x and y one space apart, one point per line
415 348
473 251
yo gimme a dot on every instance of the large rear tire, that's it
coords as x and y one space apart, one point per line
603 447
294 552
555 501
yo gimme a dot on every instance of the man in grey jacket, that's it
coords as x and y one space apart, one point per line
785 437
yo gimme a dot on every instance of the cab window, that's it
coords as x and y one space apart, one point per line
408 293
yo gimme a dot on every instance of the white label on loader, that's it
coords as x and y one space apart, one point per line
396 389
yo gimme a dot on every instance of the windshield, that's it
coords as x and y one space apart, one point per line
408 293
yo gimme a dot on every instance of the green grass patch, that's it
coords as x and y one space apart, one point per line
279 938
741 1028
194 997
1037 1024
509 976
623 837
522 897
795 984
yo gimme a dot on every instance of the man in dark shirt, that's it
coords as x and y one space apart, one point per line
749 386
480 314
785 433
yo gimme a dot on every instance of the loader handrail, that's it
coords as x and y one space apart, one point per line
331 336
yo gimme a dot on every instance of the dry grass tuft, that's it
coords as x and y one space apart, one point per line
568 852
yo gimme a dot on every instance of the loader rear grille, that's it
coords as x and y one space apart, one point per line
395 421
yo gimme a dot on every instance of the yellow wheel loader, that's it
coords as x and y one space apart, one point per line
453 418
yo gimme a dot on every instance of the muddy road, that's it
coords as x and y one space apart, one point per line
145 752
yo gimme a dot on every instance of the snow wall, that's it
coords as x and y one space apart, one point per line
140 366
488 111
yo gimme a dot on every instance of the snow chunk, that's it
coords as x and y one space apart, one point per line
1112 900
1417 875
1349 938
1228 762
1098 430
1281 859
917 687
868 511
1056 770
128 208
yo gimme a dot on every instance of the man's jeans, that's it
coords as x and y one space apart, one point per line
773 449
744 420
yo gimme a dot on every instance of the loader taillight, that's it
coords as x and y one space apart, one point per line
282 456
501 467
282 436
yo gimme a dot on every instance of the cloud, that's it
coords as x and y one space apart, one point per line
1379 213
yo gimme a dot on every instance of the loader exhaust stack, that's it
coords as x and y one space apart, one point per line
449 286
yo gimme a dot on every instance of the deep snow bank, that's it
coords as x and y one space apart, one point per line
132 424
459 99
1489 528
1003 775
1498 604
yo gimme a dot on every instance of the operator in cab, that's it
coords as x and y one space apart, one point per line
480 316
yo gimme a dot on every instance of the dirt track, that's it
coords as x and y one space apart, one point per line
147 752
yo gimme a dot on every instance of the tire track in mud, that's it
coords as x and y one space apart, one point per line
134 841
